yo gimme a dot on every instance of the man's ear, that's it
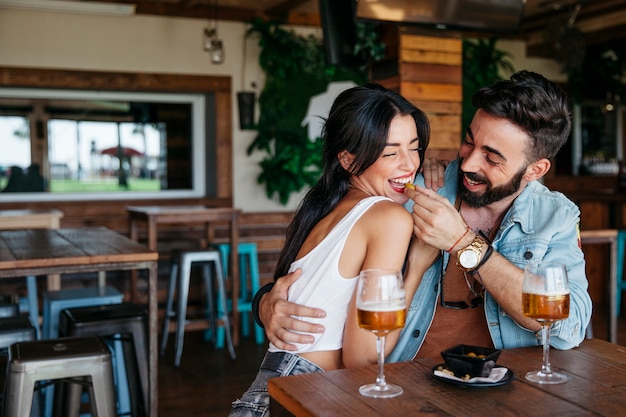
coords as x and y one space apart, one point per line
537 169
345 159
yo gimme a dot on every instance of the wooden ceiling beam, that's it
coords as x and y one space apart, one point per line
194 9
285 7
596 24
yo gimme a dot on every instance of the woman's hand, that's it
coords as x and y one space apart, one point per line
433 171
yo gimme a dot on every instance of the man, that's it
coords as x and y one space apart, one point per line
490 218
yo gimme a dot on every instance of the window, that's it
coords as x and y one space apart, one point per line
103 145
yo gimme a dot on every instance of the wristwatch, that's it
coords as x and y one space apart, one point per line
471 257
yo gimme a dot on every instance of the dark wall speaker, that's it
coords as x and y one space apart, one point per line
245 101
339 30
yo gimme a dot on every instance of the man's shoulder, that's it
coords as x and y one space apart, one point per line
539 202
538 191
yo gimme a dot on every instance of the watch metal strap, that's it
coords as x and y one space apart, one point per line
488 253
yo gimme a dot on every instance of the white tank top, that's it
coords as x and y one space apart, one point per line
321 285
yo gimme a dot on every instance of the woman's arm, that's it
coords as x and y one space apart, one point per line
388 234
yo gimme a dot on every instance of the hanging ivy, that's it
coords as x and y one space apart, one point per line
295 71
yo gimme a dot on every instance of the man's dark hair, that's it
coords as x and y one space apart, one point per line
538 106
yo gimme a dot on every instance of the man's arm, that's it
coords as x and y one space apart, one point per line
503 281
276 315
438 223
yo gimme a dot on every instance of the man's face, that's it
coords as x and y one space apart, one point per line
491 194
493 161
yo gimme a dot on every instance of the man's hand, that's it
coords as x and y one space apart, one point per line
433 172
276 314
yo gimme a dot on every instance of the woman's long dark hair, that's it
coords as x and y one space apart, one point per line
358 122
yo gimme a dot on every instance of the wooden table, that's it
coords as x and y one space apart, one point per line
597 386
607 236
153 216
34 219
30 219
69 251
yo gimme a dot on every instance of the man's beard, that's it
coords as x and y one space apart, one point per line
491 195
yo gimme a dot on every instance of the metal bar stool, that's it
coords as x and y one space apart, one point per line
56 301
8 306
85 360
249 285
126 323
30 303
180 273
15 329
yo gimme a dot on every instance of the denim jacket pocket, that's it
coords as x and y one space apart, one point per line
523 251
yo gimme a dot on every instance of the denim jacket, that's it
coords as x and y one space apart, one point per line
541 225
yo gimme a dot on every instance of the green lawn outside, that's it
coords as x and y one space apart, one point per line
75 186
101 185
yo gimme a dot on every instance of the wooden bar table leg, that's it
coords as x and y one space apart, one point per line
152 233
54 282
612 289
209 233
152 245
133 234
153 336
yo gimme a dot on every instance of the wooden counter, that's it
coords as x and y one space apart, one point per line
601 207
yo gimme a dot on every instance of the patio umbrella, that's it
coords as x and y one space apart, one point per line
126 151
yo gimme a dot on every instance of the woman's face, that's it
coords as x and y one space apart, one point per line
397 165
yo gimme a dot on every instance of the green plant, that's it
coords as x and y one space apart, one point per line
295 71
482 63
602 75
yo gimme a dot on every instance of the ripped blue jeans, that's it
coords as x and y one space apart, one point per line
255 402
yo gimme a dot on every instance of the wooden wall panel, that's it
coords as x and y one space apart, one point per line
444 131
438 107
429 43
431 57
428 71
224 159
432 91
431 71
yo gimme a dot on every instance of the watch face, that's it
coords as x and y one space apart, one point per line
468 259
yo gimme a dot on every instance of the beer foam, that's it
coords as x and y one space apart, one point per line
379 306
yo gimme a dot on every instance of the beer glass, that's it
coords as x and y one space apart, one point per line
381 308
545 297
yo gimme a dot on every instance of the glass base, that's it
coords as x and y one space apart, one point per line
380 391
540 377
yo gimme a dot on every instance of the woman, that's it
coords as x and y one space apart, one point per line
352 219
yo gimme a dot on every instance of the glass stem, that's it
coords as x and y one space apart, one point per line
380 349
545 336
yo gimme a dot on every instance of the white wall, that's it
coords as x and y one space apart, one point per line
165 45
547 67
